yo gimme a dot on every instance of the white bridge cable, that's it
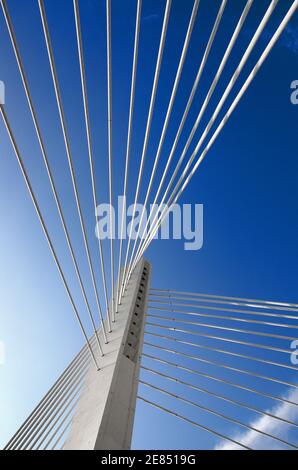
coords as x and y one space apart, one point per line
177 190
63 432
168 115
211 376
129 135
147 132
220 317
68 398
61 414
110 149
191 97
193 92
190 421
209 94
45 159
236 310
224 328
70 411
186 111
216 413
89 143
22 438
45 230
54 410
68 153
270 303
220 338
214 363
233 354
48 398
39 426
172 298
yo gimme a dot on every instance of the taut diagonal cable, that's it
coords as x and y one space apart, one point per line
269 303
223 99
178 190
157 220
211 376
167 118
207 99
218 327
45 230
186 111
220 338
129 134
194 423
217 413
68 152
46 161
234 354
148 128
221 317
197 298
110 149
89 143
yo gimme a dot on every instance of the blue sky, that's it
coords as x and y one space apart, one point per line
247 183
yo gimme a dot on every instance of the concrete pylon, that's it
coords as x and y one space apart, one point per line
105 412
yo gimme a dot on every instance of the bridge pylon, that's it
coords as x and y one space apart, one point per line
105 413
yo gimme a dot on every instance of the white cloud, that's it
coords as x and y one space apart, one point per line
257 441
